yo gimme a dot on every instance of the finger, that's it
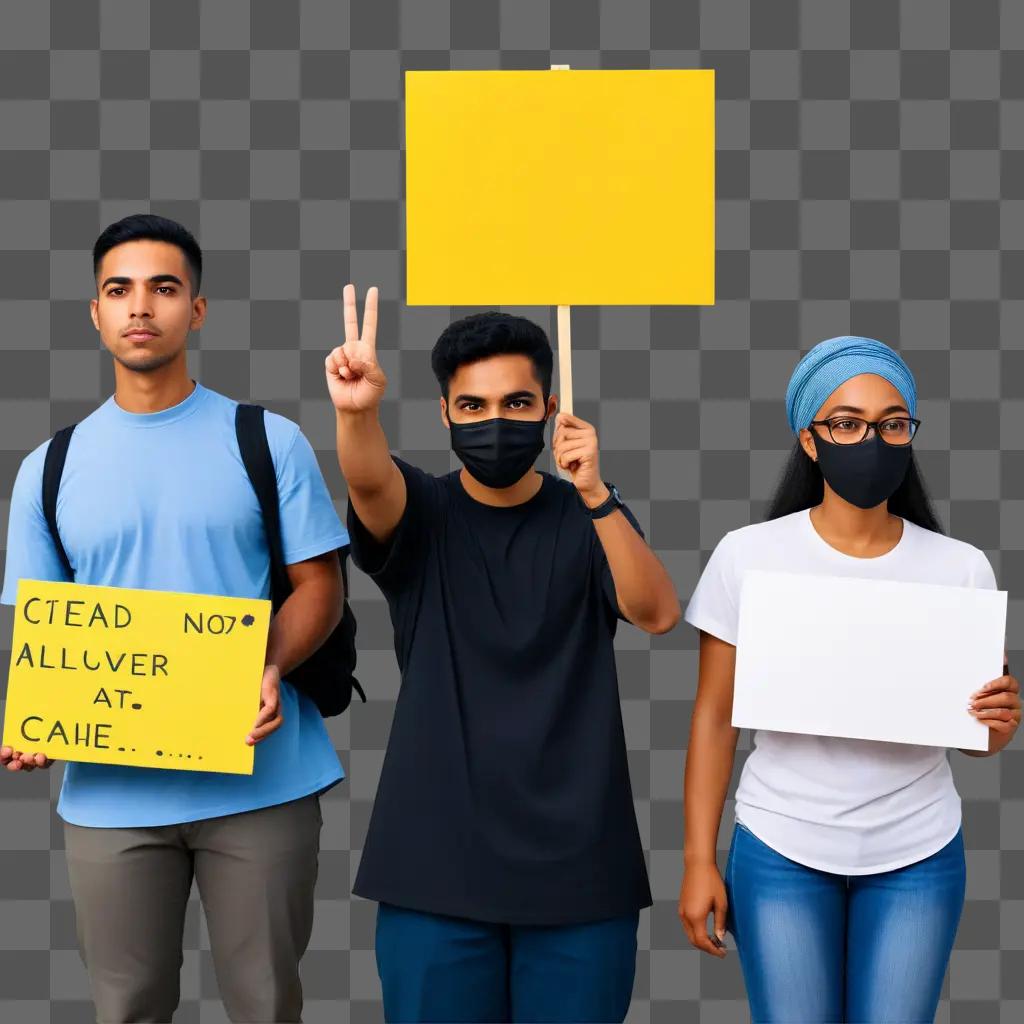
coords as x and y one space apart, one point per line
362 364
720 914
688 929
345 371
702 940
997 700
570 455
996 726
994 714
572 430
351 319
336 358
14 765
265 730
42 761
569 420
267 712
1002 683
369 334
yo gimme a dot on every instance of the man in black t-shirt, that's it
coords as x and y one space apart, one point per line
503 848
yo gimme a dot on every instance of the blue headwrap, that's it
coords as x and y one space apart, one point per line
831 363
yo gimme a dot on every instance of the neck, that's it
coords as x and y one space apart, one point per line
154 390
853 530
502 497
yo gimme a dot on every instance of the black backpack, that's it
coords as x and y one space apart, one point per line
326 676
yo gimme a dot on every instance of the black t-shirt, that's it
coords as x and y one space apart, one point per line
505 793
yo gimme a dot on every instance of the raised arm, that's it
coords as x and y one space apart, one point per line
356 383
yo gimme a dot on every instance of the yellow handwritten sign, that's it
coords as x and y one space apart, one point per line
560 187
139 677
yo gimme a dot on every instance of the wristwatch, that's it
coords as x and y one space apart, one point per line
608 506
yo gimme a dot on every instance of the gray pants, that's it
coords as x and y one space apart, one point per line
255 872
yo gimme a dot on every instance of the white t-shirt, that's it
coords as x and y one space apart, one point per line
847 806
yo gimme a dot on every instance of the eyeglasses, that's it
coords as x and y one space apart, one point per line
895 430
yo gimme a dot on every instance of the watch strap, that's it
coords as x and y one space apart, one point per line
608 506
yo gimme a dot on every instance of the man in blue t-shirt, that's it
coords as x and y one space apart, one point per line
154 495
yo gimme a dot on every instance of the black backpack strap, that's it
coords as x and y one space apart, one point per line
251 431
53 470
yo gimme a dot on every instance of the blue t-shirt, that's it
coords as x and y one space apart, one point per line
161 501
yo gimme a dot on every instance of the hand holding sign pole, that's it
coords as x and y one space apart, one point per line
527 188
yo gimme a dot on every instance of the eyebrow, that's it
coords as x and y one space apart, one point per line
855 409
155 279
511 396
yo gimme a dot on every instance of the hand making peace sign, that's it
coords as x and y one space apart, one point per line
355 379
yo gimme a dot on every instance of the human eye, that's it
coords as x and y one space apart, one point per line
519 403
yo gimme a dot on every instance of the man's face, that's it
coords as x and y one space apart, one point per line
499 386
145 307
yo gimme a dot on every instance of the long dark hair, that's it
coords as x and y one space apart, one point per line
801 486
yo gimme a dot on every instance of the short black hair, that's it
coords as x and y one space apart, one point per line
152 226
483 335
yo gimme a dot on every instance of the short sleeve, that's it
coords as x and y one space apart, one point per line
392 564
309 523
607 580
714 606
31 553
982 574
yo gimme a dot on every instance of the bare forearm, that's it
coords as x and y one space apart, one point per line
363 454
644 588
303 623
709 761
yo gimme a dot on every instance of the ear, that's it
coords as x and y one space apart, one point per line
552 405
198 313
807 443
444 413
94 313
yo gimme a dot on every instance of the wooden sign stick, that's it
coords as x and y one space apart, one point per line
564 346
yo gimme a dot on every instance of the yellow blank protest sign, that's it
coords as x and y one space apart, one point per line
138 677
560 187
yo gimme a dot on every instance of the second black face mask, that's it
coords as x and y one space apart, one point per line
497 452
864 474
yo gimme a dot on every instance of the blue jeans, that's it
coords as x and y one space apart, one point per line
820 947
436 968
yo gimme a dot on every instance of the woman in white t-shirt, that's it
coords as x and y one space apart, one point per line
845 878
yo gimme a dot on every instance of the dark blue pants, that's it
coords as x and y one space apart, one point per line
821 947
435 968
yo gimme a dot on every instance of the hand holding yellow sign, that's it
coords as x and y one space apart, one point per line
139 677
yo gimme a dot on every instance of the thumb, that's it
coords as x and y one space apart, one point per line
720 912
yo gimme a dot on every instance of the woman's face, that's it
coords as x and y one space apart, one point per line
866 396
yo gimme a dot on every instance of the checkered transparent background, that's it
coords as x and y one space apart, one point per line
870 180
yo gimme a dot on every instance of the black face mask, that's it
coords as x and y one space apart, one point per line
864 474
499 451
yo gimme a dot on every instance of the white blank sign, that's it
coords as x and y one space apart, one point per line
866 659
